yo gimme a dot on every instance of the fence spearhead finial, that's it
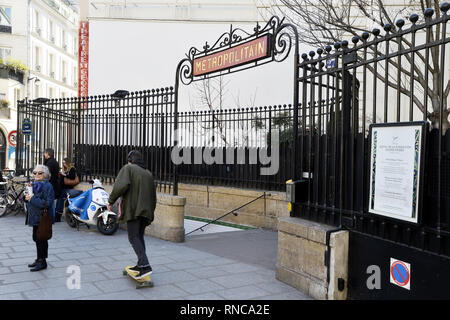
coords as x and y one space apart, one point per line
387 27
400 23
365 35
414 18
428 13
445 7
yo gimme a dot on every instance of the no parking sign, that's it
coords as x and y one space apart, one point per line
400 273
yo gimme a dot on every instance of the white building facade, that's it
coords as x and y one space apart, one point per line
137 44
43 36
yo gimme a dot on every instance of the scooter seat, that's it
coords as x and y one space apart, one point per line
75 193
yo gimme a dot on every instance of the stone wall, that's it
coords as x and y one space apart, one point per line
301 259
211 202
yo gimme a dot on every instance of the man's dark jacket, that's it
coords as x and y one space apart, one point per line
137 188
53 167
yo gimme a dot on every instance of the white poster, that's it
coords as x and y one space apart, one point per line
394 175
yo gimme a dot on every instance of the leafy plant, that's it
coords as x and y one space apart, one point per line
4 103
15 65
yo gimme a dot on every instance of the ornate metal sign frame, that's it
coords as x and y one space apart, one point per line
281 38
280 44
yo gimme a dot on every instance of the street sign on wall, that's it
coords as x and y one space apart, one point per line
12 138
26 126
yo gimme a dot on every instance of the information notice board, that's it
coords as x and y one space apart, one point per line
396 170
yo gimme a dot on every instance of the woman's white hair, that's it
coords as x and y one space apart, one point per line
41 167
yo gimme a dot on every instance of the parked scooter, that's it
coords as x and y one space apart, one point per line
89 208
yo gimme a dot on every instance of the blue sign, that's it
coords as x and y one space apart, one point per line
400 273
26 126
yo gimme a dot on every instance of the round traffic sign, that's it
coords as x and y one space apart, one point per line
12 138
400 273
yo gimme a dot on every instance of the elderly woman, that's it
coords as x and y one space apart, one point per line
42 193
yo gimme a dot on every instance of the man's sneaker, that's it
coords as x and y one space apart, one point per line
143 272
135 269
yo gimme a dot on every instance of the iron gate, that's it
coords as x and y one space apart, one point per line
398 77
97 132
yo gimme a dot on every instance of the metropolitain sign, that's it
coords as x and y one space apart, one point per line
247 52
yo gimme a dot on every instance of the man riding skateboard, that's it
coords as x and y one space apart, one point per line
135 184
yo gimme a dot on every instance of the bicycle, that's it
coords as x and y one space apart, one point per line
13 200
4 203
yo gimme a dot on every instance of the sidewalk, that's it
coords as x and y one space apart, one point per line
231 265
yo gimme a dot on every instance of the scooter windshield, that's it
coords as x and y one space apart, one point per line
81 204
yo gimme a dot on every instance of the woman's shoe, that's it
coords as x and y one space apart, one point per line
41 264
34 264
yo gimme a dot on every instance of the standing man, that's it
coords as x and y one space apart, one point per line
53 167
136 186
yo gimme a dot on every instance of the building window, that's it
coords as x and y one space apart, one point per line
75 76
37 90
5 53
37 59
37 22
17 96
50 92
51 31
5 19
63 71
51 65
64 39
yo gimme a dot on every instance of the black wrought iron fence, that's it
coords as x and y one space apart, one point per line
97 132
399 77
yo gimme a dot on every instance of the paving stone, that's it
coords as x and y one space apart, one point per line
275 286
242 293
5 250
184 265
117 296
206 272
163 292
171 277
62 293
180 270
17 287
238 268
199 286
204 296
23 254
294 295
237 280
73 255
15 262
216 261
20 277
12 296
121 284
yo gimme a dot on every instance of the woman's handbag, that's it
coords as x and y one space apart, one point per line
44 230
70 182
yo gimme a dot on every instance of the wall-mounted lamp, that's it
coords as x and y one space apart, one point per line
41 100
36 79
120 94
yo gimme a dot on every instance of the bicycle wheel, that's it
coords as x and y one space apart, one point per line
3 205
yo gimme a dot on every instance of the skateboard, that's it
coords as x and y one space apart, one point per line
140 283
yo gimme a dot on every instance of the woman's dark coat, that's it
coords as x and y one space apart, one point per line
42 192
